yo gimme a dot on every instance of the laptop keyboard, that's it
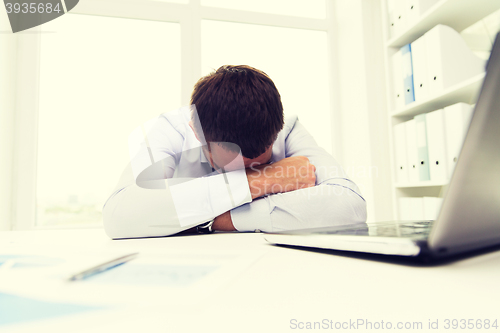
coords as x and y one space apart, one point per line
405 229
410 229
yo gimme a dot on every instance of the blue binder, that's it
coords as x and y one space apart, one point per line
407 74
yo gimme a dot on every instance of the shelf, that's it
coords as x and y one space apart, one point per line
421 184
466 92
458 14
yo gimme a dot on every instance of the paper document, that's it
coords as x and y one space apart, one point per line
16 309
159 277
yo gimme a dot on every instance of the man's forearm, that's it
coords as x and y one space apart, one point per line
262 183
287 175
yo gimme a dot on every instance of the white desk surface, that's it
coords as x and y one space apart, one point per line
285 284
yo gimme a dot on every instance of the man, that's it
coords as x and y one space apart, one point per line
229 162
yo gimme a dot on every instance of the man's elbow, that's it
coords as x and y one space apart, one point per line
347 206
359 209
353 205
110 221
125 220
136 212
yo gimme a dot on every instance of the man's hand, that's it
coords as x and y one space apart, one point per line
223 222
287 175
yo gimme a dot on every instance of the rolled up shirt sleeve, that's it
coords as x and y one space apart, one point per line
202 199
164 206
252 216
149 201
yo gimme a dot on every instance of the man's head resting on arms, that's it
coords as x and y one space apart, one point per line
240 107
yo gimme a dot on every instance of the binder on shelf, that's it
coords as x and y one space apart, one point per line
431 206
457 118
397 81
401 160
407 71
404 209
400 16
422 148
391 16
415 9
420 75
449 60
411 151
436 146
411 208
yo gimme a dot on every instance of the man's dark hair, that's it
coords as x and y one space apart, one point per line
240 105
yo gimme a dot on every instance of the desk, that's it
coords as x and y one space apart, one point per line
286 284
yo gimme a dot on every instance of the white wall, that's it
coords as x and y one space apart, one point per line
361 130
8 46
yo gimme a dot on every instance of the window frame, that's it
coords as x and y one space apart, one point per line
189 16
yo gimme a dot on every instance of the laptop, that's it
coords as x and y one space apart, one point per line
469 218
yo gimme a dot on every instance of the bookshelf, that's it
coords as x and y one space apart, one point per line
459 15
466 92
427 183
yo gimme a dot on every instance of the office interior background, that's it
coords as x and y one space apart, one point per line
73 89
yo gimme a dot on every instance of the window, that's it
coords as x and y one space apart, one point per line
104 68
303 85
99 78
300 8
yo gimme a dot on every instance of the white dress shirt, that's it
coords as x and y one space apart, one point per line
170 186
